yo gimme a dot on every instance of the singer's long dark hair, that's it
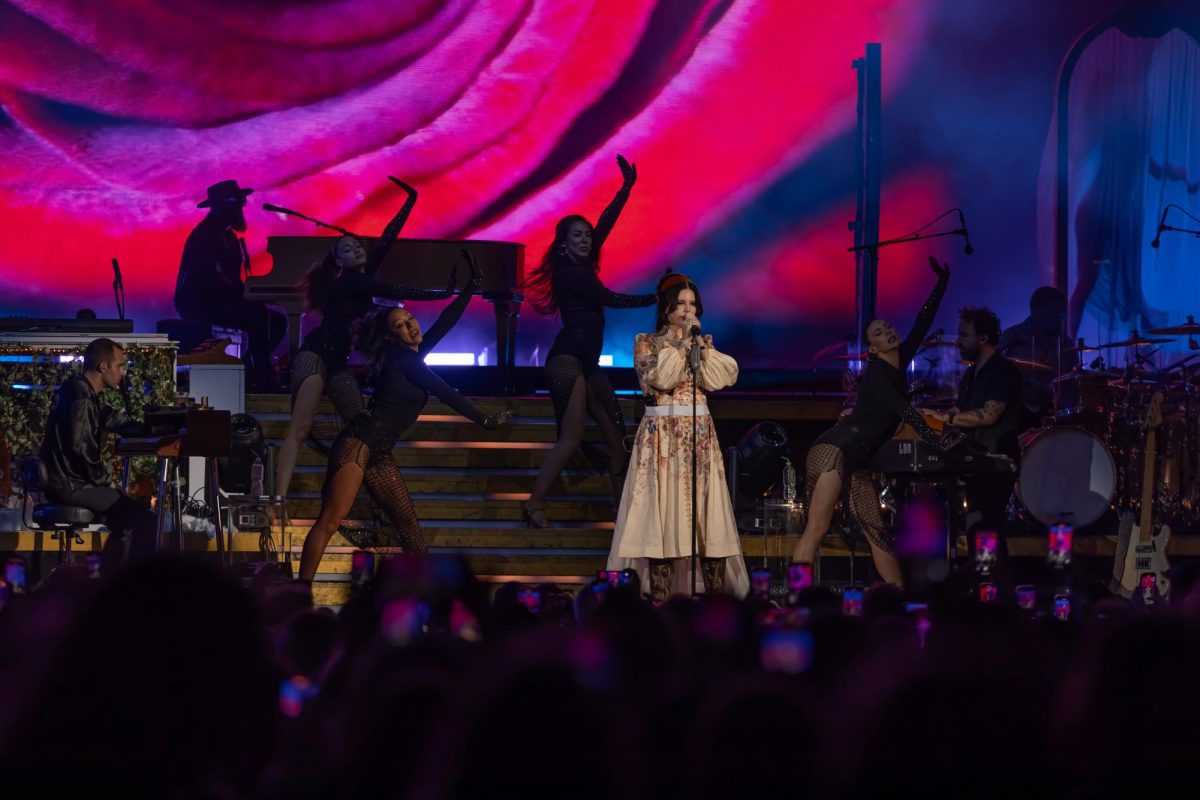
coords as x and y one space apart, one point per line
668 299
319 280
539 285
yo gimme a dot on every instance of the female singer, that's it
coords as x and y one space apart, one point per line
362 452
341 288
654 522
567 282
844 450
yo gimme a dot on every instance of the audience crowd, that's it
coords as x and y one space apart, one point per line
174 678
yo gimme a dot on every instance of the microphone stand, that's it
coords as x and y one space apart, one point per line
1165 228
306 218
914 237
694 369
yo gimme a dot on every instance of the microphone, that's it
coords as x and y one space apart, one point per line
695 331
245 256
118 289
966 236
277 209
1162 226
125 391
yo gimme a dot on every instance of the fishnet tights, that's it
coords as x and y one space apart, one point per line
304 366
388 491
575 399
561 372
860 497
342 389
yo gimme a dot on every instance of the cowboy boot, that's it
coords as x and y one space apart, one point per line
662 574
712 570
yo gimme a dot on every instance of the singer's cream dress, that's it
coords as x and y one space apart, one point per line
655 516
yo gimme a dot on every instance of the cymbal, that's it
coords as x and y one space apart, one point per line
851 357
1135 340
937 341
1189 328
1080 348
1030 363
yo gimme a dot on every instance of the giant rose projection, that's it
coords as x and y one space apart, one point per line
506 114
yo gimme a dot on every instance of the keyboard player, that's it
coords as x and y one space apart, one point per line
989 411
71 452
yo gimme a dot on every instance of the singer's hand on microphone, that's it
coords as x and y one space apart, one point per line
942 270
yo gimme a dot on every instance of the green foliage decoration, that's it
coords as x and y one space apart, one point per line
23 411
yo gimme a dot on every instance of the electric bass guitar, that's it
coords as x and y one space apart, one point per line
1141 558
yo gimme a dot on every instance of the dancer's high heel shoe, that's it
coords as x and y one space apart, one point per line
535 516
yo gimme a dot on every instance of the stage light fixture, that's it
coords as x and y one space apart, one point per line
755 464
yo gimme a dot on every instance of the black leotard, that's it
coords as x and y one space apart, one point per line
883 400
582 298
405 383
350 298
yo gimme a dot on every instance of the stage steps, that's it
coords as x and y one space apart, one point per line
468 485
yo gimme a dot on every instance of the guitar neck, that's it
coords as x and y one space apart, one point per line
1147 511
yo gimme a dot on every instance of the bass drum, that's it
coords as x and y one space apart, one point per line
1065 471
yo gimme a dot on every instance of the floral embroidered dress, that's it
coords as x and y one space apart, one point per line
655 516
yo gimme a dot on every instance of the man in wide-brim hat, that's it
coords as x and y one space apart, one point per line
225 192
210 285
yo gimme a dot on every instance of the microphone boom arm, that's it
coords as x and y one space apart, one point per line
915 237
317 222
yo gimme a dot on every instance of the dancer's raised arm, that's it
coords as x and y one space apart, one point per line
608 217
924 321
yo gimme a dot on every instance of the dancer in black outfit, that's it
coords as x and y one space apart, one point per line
362 453
844 450
567 282
341 288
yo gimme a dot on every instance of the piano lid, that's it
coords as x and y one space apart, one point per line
421 263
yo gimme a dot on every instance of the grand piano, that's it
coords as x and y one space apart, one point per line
420 263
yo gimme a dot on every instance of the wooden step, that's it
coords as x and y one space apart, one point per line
577 535
574 565
481 482
539 406
446 429
467 509
463 455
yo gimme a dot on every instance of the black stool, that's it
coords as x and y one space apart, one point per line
188 332
65 522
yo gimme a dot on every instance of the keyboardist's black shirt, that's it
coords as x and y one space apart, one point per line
74 433
998 380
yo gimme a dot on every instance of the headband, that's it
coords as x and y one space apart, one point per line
670 280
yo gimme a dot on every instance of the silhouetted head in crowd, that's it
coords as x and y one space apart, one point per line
163 682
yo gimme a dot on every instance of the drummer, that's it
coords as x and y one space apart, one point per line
1040 346
990 412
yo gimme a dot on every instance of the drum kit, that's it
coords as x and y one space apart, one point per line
1085 459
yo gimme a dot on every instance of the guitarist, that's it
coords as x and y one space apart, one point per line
989 412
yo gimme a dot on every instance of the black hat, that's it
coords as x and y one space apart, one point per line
223 190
